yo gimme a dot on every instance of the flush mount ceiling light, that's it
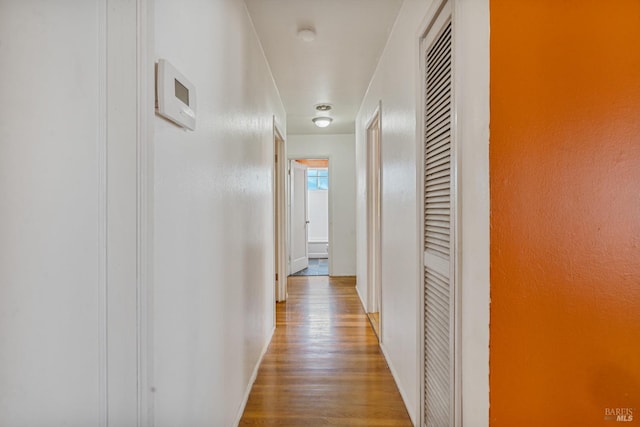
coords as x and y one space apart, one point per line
307 34
322 122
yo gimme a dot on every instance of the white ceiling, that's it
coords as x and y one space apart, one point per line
336 67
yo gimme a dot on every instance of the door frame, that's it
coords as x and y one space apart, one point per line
330 206
279 214
373 154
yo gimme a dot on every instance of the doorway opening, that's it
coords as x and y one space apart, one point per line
309 217
374 207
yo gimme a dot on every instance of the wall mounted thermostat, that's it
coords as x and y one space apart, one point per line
175 95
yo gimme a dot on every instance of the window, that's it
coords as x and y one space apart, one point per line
318 179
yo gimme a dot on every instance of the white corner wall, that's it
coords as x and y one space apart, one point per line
340 150
395 85
214 256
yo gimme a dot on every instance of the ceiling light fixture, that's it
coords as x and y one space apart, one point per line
307 34
322 122
324 107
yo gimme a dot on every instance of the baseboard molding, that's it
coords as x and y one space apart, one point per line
403 394
252 380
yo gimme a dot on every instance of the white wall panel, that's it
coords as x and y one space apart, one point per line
214 256
49 185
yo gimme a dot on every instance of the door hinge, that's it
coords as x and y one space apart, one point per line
276 277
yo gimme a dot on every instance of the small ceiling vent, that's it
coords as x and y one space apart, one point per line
323 107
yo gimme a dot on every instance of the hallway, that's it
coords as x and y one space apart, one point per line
483 187
324 365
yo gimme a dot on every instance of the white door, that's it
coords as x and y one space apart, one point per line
440 390
299 217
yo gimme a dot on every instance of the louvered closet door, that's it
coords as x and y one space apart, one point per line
438 283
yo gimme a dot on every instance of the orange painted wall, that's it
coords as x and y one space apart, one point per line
565 211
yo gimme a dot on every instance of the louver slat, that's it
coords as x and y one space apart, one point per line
437 362
437 233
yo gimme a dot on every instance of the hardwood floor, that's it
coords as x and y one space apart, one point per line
324 366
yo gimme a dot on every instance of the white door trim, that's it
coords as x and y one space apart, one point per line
145 202
374 213
471 52
331 174
280 213
126 112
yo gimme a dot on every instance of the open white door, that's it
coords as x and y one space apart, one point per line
299 218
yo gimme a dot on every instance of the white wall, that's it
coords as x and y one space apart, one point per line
214 256
318 213
394 83
68 236
49 242
339 149
213 212
318 203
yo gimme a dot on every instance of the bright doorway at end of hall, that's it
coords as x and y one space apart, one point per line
310 217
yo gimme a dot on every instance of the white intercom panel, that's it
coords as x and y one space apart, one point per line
176 95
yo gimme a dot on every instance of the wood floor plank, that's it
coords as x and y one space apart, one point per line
324 366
